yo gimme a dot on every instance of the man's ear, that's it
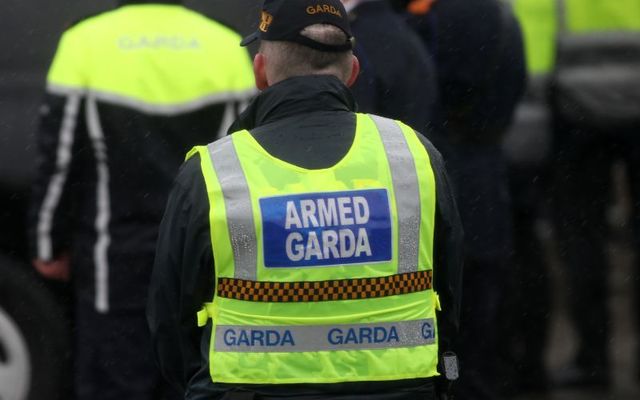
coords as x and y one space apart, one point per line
355 71
260 72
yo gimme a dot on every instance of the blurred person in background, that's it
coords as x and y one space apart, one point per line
595 98
478 51
397 78
524 323
128 93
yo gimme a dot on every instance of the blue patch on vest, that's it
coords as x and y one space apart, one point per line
322 229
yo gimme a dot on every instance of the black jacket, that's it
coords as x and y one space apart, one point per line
397 78
478 50
307 121
106 157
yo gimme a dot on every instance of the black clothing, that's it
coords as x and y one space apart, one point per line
292 120
137 199
105 163
397 78
481 73
111 362
478 51
525 317
120 165
582 187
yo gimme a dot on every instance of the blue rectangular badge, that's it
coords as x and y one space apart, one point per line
323 229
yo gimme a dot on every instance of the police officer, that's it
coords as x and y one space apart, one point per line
479 58
129 91
525 317
319 248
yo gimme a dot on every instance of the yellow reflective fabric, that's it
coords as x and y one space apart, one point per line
427 183
539 27
154 53
364 167
220 242
539 22
602 15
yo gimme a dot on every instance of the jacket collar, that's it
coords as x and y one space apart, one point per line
296 96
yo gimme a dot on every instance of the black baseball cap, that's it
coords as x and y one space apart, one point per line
285 19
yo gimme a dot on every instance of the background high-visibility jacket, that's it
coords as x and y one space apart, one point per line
128 93
541 22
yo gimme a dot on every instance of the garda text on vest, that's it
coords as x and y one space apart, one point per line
323 229
233 338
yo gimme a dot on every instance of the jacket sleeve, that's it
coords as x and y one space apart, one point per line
60 137
182 278
448 252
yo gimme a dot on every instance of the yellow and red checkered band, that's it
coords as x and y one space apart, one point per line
330 290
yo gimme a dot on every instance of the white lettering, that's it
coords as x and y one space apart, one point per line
292 216
329 244
361 210
327 212
313 247
347 243
125 42
157 42
362 245
308 208
344 208
295 252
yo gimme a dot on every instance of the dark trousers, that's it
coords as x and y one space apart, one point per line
479 175
524 315
113 358
582 188
426 392
482 295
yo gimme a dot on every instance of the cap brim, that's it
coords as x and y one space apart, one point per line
250 39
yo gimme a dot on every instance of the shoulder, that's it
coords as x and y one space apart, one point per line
87 21
434 153
422 140
190 173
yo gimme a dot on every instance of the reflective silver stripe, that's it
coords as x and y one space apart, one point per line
227 119
156 109
304 338
407 192
561 16
237 202
62 90
58 179
103 207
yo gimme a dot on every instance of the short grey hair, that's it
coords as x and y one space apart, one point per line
288 59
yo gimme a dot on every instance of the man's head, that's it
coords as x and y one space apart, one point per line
303 37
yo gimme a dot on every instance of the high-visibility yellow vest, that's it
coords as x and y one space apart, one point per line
544 20
322 275
153 57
